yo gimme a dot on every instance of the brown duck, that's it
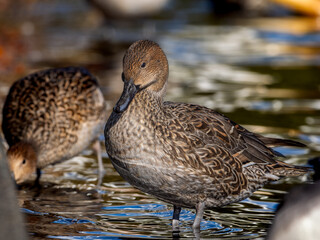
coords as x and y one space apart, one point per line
50 116
184 154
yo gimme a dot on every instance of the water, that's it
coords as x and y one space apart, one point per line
262 73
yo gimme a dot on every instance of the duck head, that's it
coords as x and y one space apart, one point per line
145 68
22 160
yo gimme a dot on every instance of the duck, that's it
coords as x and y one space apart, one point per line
298 214
50 116
184 154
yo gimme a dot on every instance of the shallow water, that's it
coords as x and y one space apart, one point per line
260 72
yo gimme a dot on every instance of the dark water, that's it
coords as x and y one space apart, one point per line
261 72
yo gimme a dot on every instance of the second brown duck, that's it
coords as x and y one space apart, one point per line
184 154
51 116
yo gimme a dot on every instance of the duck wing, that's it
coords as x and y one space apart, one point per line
215 137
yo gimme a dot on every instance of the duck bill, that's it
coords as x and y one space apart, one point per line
129 91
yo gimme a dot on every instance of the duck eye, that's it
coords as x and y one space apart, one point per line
143 65
24 161
122 76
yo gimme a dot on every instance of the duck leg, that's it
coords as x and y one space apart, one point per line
175 218
97 147
196 224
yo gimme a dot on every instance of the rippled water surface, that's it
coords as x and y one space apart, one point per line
261 72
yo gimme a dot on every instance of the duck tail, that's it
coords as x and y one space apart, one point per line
277 142
282 169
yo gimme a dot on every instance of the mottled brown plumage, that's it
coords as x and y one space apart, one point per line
184 154
55 114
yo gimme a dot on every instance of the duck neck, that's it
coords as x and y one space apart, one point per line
148 101
144 105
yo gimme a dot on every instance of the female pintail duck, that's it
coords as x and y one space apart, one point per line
50 116
184 154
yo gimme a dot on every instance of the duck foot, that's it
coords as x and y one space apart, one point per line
175 235
196 234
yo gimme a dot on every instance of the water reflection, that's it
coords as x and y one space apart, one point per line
121 211
262 73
